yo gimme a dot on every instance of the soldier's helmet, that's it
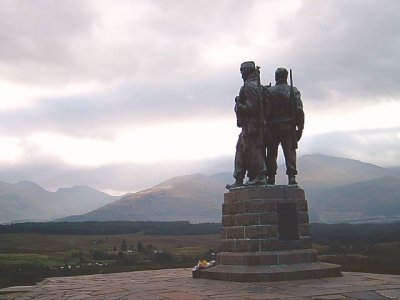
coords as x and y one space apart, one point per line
281 74
247 65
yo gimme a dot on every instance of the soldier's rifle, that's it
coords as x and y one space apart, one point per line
293 106
260 93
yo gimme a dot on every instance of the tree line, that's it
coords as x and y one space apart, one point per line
113 227
339 234
355 234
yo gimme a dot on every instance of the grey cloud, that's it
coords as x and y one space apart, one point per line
129 105
338 49
349 47
345 48
50 42
38 38
53 174
377 146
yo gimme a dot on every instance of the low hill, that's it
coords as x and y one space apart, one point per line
196 198
326 177
318 170
377 199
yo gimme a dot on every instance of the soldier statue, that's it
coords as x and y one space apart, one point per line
249 113
285 123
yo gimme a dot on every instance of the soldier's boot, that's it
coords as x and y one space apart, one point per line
257 181
292 179
237 183
271 180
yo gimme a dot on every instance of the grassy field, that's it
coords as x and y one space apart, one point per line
28 258
61 246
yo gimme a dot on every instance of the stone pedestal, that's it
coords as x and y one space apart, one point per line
266 237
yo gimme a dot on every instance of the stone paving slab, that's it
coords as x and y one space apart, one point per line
179 284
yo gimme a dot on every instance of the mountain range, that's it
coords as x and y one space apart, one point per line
27 201
337 189
195 198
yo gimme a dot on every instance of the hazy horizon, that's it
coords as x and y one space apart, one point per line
120 95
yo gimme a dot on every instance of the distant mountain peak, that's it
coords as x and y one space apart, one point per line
77 188
30 185
26 200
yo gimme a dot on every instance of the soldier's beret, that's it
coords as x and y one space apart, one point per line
248 65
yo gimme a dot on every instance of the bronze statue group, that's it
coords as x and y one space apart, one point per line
269 116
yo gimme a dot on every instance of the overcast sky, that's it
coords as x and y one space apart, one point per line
120 95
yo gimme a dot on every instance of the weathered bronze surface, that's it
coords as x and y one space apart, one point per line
285 119
269 117
249 149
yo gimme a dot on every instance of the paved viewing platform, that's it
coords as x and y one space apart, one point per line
179 284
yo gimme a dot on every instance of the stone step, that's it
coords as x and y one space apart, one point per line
267 258
269 273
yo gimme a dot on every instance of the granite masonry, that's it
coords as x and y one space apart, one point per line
266 237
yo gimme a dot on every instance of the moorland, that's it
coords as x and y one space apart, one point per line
30 252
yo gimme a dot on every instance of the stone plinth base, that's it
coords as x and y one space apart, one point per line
267 258
266 236
269 273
